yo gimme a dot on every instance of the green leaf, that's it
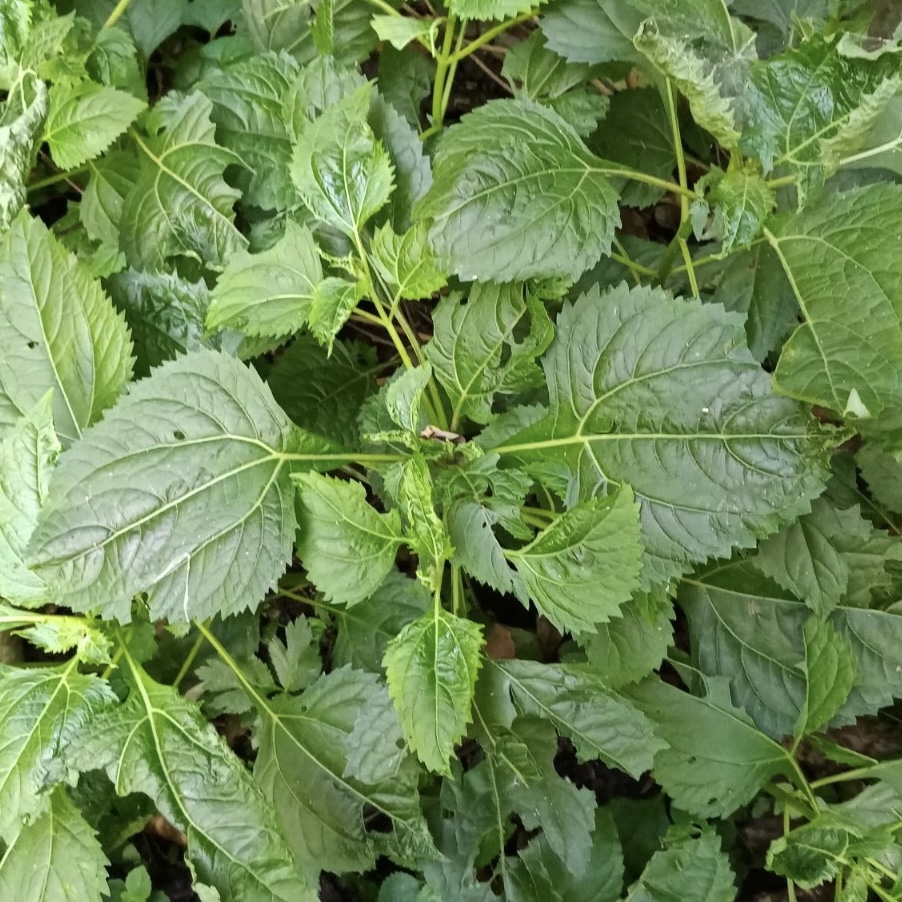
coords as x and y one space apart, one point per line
592 31
487 345
58 330
150 22
812 106
342 172
180 204
830 673
502 208
732 207
324 392
838 257
581 568
296 661
200 449
165 314
158 743
630 646
331 305
399 31
883 474
635 128
84 119
716 761
277 24
808 557
248 99
58 635
405 81
406 264
269 293
101 203
412 168
663 395
600 723
746 630
539 74
365 630
692 867
41 712
424 532
818 851
346 546
323 29
544 800
694 77
602 880
21 121
306 744
72 863
431 667
755 285
28 454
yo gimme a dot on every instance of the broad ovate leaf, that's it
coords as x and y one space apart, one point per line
21 120
84 119
600 723
72 863
504 208
248 98
58 331
716 760
486 345
41 712
839 255
744 628
581 568
341 170
809 108
269 293
182 492
592 31
305 764
159 744
810 558
181 204
431 667
28 454
345 544
663 394
692 868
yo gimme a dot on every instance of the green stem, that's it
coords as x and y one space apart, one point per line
230 662
343 458
636 269
532 520
859 773
55 179
782 181
188 662
790 885
107 673
790 802
488 36
116 14
682 233
441 75
452 68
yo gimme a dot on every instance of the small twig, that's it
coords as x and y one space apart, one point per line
495 78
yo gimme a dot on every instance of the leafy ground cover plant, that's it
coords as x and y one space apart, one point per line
450 453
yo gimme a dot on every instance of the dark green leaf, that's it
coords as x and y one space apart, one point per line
158 743
58 330
717 760
502 208
662 394
431 667
346 546
200 448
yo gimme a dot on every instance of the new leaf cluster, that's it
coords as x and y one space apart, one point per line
394 447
